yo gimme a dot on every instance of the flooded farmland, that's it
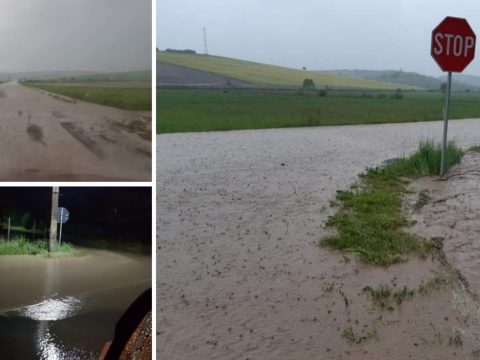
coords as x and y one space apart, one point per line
239 270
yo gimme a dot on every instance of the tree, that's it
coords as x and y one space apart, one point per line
443 87
308 84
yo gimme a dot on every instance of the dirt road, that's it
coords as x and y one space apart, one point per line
46 137
240 274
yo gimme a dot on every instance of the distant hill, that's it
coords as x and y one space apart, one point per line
141 75
267 75
468 80
407 78
40 75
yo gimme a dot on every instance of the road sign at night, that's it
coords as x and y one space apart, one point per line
453 44
62 215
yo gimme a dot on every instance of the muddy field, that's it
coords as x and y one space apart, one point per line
240 274
48 137
174 75
66 308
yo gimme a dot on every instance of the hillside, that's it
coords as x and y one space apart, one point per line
268 75
468 80
407 78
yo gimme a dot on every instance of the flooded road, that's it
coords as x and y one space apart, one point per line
66 308
240 273
48 137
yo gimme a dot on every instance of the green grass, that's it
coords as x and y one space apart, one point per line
216 110
352 338
268 75
383 295
128 98
22 246
370 218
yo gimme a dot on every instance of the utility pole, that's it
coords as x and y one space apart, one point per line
205 47
53 220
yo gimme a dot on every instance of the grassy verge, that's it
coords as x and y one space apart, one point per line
21 246
128 98
185 110
475 148
370 218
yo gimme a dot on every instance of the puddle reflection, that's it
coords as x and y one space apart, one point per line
49 347
52 309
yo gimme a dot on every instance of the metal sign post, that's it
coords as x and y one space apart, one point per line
445 124
62 217
61 224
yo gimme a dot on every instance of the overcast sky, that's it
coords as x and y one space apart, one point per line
318 34
103 35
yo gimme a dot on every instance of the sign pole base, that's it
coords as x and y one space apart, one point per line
445 124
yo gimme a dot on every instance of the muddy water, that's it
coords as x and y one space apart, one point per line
66 308
452 215
240 274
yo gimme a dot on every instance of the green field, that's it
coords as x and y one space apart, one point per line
268 75
123 97
208 110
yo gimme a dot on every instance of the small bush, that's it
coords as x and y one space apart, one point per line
397 95
322 93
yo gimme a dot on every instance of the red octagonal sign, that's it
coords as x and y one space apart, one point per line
453 44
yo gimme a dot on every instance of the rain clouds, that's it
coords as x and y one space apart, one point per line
75 35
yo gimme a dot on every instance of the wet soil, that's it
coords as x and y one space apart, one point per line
33 137
240 273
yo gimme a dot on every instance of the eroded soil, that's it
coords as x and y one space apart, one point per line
46 137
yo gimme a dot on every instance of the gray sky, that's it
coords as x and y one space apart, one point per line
103 35
318 34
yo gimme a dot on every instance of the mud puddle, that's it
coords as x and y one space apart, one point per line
35 133
66 308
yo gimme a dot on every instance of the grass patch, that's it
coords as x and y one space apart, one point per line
370 218
184 110
384 296
128 98
352 338
475 148
21 246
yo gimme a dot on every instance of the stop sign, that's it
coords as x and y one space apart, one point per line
453 44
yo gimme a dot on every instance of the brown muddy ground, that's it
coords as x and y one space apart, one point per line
240 274
47 137
452 215
66 308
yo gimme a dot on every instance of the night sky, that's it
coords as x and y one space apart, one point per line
118 214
